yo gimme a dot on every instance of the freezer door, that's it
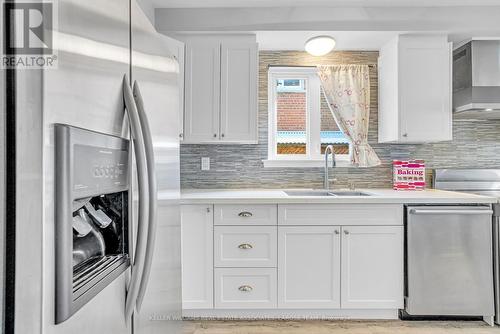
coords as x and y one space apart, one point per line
156 75
449 261
2 199
85 91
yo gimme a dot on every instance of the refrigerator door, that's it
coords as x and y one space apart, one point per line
449 261
496 260
156 73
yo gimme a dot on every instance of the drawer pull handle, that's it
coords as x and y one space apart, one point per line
245 246
245 288
245 214
346 232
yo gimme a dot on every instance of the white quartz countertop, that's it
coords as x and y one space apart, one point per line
278 196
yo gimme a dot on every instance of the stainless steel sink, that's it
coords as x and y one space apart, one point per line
308 193
334 193
349 193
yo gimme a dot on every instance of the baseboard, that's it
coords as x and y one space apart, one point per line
305 314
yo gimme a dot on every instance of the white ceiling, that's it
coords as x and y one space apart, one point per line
309 3
346 40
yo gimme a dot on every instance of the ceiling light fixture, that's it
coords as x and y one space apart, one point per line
320 45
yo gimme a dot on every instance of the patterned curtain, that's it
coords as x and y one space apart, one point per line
347 90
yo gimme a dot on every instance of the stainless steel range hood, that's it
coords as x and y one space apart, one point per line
476 80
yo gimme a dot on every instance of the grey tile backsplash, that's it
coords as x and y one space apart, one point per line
476 144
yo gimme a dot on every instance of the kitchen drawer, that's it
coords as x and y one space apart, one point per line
340 214
245 214
245 246
245 288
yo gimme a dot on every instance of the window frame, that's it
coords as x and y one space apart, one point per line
313 156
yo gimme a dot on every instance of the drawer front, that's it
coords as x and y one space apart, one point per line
245 214
245 288
245 246
340 214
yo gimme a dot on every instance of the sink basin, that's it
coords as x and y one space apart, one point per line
348 193
308 193
326 193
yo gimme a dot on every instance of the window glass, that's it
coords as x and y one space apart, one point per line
330 133
291 108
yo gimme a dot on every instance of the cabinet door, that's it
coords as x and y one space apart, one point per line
197 259
309 267
425 89
372 267
239 72
202 92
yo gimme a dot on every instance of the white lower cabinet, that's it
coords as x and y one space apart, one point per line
197 256
341 260
309 267
372 267
245 288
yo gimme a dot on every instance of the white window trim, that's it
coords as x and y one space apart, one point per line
313 156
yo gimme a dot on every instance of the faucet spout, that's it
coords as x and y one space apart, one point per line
328 149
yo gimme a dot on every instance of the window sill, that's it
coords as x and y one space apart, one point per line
283 163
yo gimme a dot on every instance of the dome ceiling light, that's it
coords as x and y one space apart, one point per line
320 45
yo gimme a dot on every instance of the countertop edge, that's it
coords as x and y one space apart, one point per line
278 196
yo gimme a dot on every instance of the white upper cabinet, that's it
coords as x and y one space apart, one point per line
238 92
414 74
202 92
221 89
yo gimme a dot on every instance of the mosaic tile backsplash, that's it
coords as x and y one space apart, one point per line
476 144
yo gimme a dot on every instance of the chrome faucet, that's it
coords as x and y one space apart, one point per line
329 148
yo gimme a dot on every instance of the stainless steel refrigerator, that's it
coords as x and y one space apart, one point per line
107 51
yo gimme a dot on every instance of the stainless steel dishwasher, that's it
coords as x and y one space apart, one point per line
449 268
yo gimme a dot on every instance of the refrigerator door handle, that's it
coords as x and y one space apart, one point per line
140 155
153 192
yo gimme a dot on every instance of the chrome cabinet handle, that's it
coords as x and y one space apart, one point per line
141 243
336 232
208 210
152 194
245 246
346 232
222 135
245 214
245 288
215 135
405 135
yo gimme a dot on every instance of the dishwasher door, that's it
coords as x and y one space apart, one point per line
449 261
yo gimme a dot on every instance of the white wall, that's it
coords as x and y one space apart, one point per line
147 7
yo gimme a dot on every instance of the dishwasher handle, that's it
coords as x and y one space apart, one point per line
426 211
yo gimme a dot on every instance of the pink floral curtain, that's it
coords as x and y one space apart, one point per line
347 90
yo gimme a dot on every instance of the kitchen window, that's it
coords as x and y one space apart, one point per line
301 124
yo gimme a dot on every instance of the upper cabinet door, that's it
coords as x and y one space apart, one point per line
425 89
415 90
202 92
239 72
